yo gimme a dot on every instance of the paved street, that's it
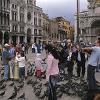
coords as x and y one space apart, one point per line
29 90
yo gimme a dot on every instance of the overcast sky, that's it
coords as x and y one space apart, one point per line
65 8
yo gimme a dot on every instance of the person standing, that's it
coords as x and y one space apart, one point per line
21 63
26 48
5 60
52 70
92 64
33 48
11 62
79 57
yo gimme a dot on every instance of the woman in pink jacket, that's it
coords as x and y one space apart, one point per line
52 70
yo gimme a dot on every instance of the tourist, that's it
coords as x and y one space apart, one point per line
80 60
38 65
92 64
52 70
33 48
21 63
11 62
5 60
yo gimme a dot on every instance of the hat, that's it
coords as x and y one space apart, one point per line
6 45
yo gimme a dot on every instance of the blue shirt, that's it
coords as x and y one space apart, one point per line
5 56
12 52
94 57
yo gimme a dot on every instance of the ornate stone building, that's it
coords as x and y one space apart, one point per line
25 21
4 21
63 28
53 27
89 22
46 28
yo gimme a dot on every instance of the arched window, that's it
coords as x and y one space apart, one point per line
29 31
29 16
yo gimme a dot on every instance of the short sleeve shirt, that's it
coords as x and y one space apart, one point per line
94 57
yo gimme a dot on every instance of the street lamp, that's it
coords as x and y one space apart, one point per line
78 30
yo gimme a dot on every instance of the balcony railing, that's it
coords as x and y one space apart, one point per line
4 27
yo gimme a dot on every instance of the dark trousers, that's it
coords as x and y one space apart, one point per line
52 88
80 68
22 72
70 65
26 51
91 77
33 50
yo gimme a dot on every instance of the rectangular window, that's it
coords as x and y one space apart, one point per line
15 28
4 3
12 15
13 6
15 15
21 17
40 32
8 2
8 19
1 18
39 22
35 21
35 31
21 29
5 18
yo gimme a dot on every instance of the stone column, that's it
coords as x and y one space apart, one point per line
18 39
3 38
10 39
25 39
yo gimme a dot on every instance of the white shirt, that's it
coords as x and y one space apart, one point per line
21 61
94 57
79 56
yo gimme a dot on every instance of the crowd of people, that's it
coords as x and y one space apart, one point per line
13 60
58 57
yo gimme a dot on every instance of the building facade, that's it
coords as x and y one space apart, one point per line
63 28
53 27
46 28
25 21
89 22
4 21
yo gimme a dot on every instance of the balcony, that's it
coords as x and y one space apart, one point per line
4 27
5 9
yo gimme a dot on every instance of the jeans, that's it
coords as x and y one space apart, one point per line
80 66
12 65
22 72
91 77
6 71
52 88
98 67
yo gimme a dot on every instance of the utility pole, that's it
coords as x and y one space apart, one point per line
78 29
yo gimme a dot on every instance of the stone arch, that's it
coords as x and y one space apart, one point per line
95 23
6 37
1 37
29 32
29 16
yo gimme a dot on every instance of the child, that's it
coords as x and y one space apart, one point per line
38 65
21 61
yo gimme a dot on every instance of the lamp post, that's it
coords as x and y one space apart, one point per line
78 30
